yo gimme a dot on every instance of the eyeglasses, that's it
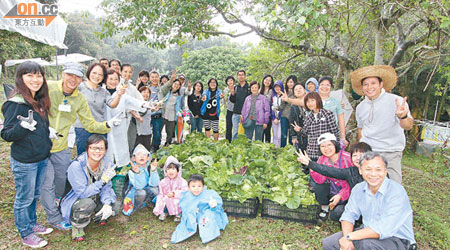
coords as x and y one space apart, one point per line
326 145
100 149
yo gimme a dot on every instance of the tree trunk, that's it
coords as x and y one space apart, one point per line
379 42
442 101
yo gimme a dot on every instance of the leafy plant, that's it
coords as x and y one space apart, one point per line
270 172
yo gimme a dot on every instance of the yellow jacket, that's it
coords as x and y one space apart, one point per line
61 121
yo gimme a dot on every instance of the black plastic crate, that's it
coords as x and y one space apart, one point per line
303 214
247 209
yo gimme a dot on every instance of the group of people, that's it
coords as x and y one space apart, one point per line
118 123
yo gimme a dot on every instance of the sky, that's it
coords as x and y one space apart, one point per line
92 7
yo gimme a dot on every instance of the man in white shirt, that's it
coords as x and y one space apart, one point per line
382 117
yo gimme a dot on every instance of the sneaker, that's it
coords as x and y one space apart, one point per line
102 222
78 234
64 226
58 200
39 229
177 218
162 216
323 215
34 241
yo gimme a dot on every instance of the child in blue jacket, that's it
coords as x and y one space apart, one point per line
200 208
143 183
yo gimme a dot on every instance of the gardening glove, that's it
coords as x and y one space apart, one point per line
53 134
212 202
108 174
114 122
27 122
105 212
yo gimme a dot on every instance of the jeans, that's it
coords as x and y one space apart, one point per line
157 127
196 124
284 130
266 133
229 125
54 184
81 139
236 119
258 129
28 178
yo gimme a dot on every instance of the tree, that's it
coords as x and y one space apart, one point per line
272 58
15 46
215 62
351 33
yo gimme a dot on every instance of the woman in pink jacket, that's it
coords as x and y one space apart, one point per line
331 193
170 189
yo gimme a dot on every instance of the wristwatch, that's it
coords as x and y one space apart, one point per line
348 237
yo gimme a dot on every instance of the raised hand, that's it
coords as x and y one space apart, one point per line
174 75
297 128
284 96
27 122
303 158
189 85
402 108
154 165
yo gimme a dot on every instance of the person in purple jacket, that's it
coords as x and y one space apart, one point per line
255 113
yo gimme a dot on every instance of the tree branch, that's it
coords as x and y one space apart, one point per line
228 33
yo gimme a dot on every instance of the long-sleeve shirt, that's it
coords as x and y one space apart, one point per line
314 126
388 212
240 93
61 120
350 174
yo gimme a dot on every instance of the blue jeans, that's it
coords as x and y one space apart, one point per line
258 129
81 139
157 126
28 178
196 124
284 130
236 119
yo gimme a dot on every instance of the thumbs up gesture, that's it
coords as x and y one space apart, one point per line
27 122
402 107
212 203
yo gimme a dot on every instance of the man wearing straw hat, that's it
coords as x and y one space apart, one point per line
382 117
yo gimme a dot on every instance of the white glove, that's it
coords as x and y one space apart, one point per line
108 174
115 121
106 212
212 202
53 134
28 122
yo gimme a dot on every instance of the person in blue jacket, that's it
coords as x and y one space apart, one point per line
210 109
26 125
201 208
90 177
143 184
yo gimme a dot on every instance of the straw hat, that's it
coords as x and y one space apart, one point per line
385 72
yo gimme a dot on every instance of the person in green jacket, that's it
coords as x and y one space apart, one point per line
67 103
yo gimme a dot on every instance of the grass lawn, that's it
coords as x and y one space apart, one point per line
429 195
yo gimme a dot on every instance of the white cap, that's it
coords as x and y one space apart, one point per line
326 137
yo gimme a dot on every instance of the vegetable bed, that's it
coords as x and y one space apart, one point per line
243 170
